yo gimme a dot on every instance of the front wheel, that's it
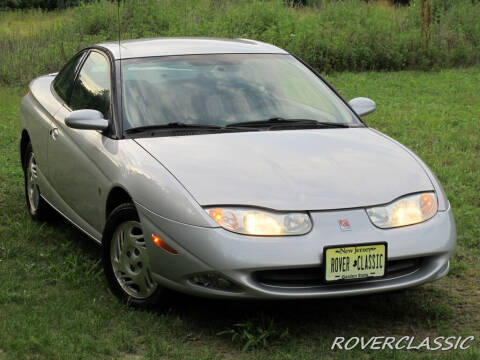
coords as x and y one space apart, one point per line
126 261
36 206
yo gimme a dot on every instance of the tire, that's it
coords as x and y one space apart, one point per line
38 208
126 262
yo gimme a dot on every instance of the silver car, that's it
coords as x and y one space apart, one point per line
228 168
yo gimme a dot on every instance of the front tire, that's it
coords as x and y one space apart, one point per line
38 208
126 261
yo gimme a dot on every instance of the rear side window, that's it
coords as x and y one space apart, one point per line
64 80
92 87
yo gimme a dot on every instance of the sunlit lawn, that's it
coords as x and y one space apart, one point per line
29 22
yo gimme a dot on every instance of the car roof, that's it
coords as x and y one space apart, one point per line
187 46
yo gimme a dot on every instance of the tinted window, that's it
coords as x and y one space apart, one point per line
92 87
64 79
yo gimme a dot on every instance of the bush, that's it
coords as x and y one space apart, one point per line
332 36
39 4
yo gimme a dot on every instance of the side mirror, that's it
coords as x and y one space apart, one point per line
87 120
362 106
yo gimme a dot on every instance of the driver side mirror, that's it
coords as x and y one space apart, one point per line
86 119
362 106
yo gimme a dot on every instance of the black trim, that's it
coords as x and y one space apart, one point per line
312 277
115 109
324 262
118 99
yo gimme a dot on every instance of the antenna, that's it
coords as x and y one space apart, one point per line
119 30
120 66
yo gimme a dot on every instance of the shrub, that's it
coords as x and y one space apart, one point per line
332 36
41 4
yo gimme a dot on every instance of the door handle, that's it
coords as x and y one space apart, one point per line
54 133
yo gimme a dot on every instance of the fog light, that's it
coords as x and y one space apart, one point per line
214 281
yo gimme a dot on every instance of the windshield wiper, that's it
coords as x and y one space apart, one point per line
309 125
172 125
281 122
273 123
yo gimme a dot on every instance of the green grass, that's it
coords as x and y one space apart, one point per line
348 35
55 303
29 22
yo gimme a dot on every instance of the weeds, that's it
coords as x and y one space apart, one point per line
256 334
348 35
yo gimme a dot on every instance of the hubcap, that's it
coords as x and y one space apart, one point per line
128 254
32 187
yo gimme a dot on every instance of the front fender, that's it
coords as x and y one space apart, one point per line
151 185
443 204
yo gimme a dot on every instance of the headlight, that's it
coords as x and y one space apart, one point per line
408 210
260 222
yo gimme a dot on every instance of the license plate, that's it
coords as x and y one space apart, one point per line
355 261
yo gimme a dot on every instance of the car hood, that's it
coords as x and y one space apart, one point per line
291 169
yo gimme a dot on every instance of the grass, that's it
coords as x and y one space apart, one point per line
55 303
29 22
348 35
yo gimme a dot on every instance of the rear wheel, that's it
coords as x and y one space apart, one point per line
37 207
126 261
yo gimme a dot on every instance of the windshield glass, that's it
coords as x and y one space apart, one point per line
222 89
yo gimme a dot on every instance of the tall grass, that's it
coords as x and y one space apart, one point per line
332 35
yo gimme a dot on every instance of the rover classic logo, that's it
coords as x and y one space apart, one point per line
344 225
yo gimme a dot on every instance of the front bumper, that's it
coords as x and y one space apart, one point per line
241 258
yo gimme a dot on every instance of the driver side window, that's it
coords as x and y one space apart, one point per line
92 86
63 81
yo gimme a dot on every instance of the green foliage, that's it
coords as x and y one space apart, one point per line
348 35
42 4
255 334
334 36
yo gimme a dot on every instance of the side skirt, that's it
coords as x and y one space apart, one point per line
95 239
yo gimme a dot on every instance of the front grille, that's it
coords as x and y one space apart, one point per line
314 276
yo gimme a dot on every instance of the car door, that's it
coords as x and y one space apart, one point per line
73 154
42 107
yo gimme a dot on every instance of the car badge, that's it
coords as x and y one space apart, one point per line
344 225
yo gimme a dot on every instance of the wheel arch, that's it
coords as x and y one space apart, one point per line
24 140
117 196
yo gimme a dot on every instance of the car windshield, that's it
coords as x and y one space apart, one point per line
223 89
